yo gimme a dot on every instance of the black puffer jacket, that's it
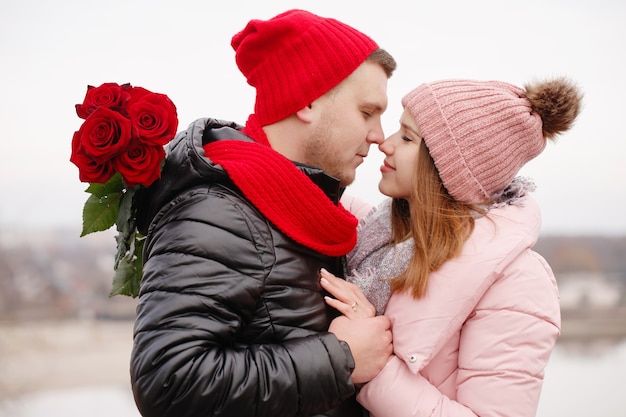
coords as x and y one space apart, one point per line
231 319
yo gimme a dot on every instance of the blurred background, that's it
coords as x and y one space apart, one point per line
64 344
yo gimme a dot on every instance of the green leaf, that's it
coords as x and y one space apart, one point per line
102 207
129 257
125 223
126 217
125 247
100 213
123 280
113 185
111 203
128 273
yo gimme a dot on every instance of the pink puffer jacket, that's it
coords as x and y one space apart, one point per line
478 343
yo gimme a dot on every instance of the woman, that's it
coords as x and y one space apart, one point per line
474 311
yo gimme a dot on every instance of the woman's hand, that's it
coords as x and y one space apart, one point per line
349 300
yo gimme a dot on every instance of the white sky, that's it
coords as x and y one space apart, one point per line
51 50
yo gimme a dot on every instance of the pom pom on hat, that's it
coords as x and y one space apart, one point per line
481 133
294 58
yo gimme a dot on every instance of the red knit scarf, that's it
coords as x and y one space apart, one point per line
284 194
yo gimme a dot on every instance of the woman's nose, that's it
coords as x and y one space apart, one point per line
385 146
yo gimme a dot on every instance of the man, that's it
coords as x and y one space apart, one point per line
231 319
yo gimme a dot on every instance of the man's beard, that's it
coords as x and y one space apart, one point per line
322 152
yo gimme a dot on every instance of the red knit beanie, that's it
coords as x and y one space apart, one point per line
296 57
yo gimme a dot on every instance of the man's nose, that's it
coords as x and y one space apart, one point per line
376 136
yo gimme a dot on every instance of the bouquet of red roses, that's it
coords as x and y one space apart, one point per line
118 149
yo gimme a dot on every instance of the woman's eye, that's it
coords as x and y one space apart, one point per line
407 139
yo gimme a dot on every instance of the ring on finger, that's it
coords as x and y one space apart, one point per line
354 305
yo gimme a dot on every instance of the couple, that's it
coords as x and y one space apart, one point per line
233 318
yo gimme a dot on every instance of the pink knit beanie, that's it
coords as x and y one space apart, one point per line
480 133
296 57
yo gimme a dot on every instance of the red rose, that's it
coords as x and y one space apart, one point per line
154 118
124 131
107 95
140 164
105 134
88 169
135 94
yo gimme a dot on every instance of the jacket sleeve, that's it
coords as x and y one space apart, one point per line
202 284
398 392
503 351
359 208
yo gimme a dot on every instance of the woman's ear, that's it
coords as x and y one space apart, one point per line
305 114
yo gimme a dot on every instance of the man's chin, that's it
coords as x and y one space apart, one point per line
345 181
345 177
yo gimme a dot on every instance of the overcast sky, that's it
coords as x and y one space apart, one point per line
51 50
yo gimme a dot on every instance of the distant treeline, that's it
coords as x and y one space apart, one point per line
599 254
58 274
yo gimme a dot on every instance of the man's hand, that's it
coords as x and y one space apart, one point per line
370 342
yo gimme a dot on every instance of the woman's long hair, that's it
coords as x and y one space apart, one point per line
438 224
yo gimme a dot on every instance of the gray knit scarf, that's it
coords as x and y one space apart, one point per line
374 261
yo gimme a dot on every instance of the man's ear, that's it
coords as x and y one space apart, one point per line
305 114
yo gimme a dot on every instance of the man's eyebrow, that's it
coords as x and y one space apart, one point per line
374 106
